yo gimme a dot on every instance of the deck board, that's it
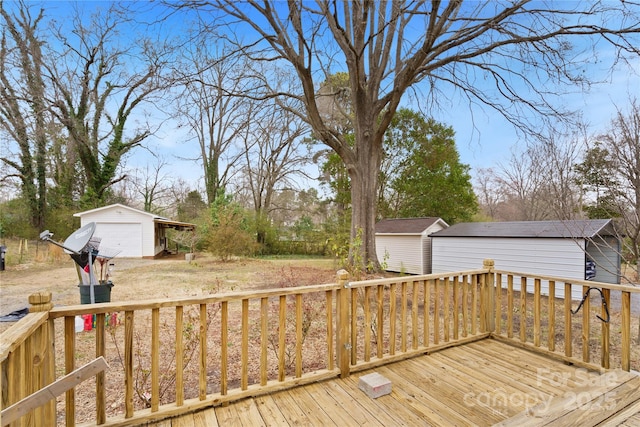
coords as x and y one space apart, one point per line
483 383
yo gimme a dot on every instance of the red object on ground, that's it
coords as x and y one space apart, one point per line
88 322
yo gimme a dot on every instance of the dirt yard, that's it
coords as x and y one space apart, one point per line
160 278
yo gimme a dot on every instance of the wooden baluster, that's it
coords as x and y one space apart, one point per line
224 346
626 331
426 304
282 332
244 346
414 316
537 308
367 324
264 338
329 314
342 339
179 355
474 304
392 319
483 304
69 366
568 351
510 306
354 326
604 358
456 307
101 410
299 335
586 326
155 359
523 309
380 321
202 381
498 307
465 306
447 309
128 363
551 339
403 318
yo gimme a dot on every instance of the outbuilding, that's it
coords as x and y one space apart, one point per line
403 244
573 249
132 232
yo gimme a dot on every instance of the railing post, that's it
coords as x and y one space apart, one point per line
490 295
40 301
343 345
42 370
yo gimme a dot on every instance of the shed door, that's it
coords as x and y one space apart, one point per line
126 237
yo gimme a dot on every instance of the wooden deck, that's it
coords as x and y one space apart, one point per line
484 383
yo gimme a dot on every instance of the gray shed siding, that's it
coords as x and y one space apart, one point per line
605 251
552 257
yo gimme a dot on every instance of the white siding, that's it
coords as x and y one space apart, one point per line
403 251
119 215
552 257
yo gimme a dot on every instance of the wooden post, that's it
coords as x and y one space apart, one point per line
343 345
39 357
40 301
490 289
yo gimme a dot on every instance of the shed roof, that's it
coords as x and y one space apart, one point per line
406 225
544 229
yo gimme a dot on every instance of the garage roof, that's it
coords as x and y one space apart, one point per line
165 222
544 229
406 225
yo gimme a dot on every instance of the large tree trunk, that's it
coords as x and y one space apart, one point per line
364 187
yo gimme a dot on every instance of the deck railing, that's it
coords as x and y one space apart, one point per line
538 312
172 356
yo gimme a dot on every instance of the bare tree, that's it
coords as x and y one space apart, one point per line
386 48
274 157
538 183
23 108
153 185
623 144
213 106
100 86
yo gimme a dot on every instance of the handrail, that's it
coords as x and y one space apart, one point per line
388 281
14 337
612 286
71 310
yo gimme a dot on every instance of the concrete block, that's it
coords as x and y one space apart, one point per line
375 385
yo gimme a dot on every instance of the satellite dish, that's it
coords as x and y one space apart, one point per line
79 238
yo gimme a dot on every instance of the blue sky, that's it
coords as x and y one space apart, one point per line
484 145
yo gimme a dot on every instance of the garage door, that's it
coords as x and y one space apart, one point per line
125 237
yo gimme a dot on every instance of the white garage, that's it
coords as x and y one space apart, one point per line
577 249
131 232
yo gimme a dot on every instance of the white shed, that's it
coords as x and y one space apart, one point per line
404 245
135 233
551 248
